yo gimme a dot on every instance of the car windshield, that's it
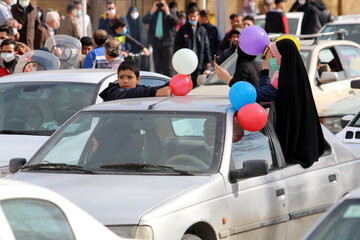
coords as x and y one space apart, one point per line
352 32
230 66
343 223
135 143
41 108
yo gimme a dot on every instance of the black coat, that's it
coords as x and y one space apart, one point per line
247 69
169 27
137 30
316 15
276 22
215 38
184 39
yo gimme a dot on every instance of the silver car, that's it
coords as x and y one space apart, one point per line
34 105
174 168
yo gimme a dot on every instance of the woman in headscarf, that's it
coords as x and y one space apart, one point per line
296 120
139 32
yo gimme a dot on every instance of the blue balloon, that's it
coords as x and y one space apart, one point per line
242 93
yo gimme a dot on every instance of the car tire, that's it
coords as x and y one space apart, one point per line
190 237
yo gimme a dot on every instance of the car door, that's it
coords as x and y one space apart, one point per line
311 191
258 205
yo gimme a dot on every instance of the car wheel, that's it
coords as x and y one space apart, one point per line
190 237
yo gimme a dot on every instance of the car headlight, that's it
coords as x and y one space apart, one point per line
133 231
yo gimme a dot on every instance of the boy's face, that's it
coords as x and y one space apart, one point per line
234 39
193 16
127 79
236 22
86 49
247 23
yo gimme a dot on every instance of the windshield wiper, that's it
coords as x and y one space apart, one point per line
58 167
17 132
134 166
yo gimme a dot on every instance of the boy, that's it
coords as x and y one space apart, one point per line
128 85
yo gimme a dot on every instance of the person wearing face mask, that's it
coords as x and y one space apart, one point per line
5 10
297 123
107 20
120 33
27 15
139 32
9 57
47 30
162 29
69 26
79 20
265 6
250 10
194 36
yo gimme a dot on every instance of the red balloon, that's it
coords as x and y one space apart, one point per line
181 84
252 117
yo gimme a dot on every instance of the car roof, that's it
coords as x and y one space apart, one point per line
182 103
308 44
93 76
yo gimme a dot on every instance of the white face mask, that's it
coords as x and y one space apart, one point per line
24 3
252 5
111 12
301 2
269 1
134 15
8 57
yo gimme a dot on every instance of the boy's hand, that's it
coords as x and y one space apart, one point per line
163 92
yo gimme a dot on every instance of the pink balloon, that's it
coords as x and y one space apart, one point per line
252 117
181 84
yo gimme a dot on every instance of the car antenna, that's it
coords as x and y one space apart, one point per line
151 106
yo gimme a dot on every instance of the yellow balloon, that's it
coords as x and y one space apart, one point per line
294 39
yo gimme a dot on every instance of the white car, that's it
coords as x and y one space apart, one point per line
340 64
34 105
32 212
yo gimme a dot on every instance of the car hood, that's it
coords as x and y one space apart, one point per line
114 199
19 146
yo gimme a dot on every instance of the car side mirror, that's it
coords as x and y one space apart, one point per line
16 164
327 77
251 168
355 83
344 121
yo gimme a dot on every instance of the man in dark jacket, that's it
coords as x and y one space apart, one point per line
276 21
162 29
316 15
108 18
235 33
214 33
27 15
192 35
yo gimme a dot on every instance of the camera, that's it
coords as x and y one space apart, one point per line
159 5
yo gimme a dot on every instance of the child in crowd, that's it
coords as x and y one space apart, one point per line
128 85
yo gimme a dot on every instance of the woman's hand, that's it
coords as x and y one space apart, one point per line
222 73
268 55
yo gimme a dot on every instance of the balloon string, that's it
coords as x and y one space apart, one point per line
151 106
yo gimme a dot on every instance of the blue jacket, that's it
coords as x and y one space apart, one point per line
114 92
95 58
266 91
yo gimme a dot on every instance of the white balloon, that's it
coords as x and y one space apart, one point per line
185 61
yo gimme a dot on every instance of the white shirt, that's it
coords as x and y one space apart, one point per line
88 32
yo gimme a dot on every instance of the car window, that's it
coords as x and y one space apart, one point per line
328 57
352 32
41 108
152 82
35 219
293 24
180 141
229 64
351 59
252 146
343 223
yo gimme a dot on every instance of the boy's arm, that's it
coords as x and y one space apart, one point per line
116 92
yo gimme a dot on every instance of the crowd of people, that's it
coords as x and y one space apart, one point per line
162 31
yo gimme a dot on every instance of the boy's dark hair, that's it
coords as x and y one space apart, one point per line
113 48
251 18
110 3
6 28
77 3
204 13
131 65
100 37
86 41
70 7
234 15
119 23
193 10
172 5
9 42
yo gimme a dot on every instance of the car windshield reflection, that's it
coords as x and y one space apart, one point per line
41 108
176 143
